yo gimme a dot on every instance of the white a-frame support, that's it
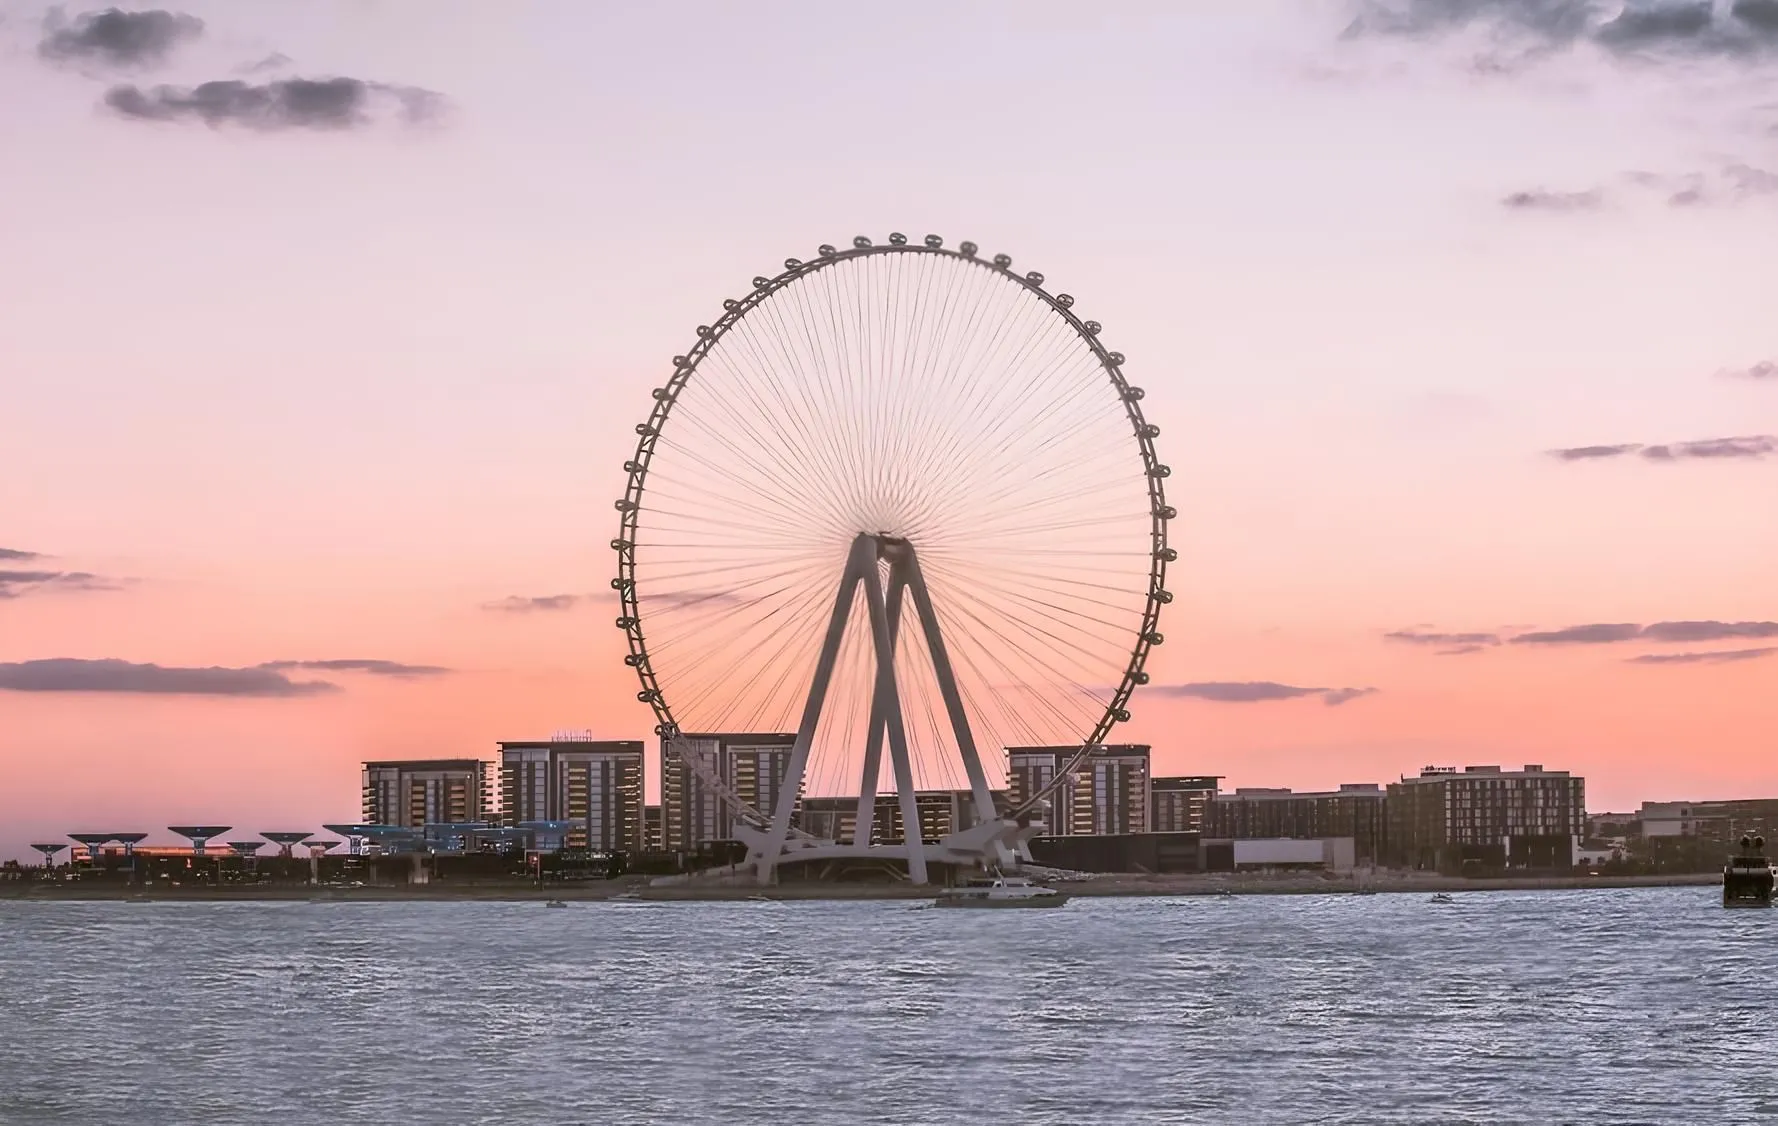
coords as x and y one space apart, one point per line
886 720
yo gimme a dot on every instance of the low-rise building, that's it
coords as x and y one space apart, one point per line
1357 810
1108 793
1484 818
1180 804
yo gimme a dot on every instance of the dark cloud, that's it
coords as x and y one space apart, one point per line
1460 651
1683 632
1255 691
1719 657
282 104
69 674
1588 453
120 38
375 668
1516 30
1540 199
546 603
1760 15
1596 634
1754 446
1706 449
15 555
1765 369
15 583
1466 642
1691 632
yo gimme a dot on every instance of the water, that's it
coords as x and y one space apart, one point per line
1645 1005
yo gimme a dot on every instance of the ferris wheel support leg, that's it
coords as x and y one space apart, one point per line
887 692
865 818
862 561
947 687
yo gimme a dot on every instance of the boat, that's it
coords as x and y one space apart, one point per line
1747 877
555 903
1000 891
1442 897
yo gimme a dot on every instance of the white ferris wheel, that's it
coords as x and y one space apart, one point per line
900 500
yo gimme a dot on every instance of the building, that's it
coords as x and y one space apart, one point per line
941 813
1722 822
593 785
1356 810
1485 818
752 765
1180 805
410 793
651 828
1108 793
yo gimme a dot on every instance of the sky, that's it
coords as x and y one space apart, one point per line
324 329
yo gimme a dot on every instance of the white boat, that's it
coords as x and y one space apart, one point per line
1442 897
555 903
1000 891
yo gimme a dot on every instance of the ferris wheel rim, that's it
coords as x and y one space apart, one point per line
630 506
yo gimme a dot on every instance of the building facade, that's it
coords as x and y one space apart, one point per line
411 793
1108 793
1484 817
593 785
751 764
1181 804
941 813
1357 810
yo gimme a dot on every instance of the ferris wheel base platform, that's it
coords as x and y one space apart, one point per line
987 845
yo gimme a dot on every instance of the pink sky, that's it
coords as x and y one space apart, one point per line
323 393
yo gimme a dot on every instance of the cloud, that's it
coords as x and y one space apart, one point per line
1708 631
16 555
373 667
1463 642
1644 29
1587 453
277 60
17 583
1755 446
120 38
1596 634
1706 449
545 603
70 674
282 104
1719 657
1460 651
1540 199
1665 632
1765 369
1255 691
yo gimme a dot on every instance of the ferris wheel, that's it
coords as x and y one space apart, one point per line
898 497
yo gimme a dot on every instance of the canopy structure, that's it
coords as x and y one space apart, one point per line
390 838
245 848
286 840
129 841
92 841
49 850
199 835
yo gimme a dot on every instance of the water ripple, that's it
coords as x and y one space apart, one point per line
1607 1006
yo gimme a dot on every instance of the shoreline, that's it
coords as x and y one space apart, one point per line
637 891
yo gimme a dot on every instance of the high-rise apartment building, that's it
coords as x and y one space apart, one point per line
1355 810
752 765
595 785
1108 792
411 793
1180 804
1486 817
